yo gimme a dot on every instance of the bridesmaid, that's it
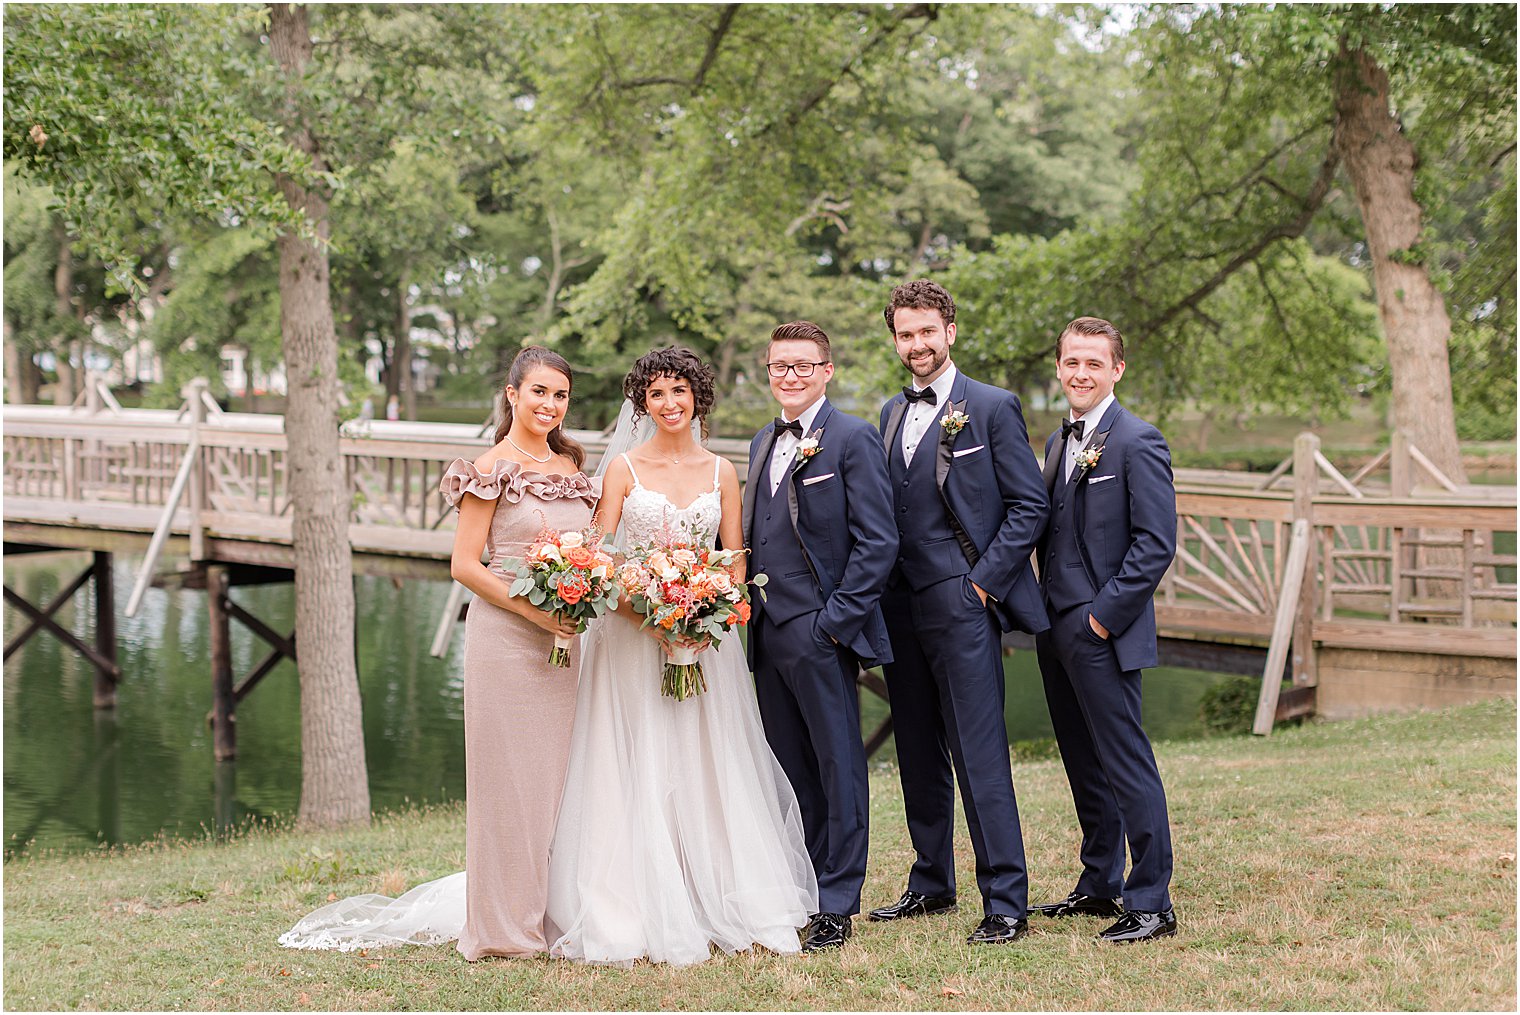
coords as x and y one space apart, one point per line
517 709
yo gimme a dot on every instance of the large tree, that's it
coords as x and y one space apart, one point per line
233 114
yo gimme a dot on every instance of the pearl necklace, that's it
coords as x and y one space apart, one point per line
529 453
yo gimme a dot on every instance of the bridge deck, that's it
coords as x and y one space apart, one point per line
1418 574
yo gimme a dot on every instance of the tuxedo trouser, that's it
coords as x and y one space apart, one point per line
947 694
805 685
1115 784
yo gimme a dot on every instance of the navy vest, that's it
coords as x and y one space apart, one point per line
1066 583
774 551
928 551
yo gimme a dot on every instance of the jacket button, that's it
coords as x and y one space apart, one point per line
905 484
904 510
1056 529
766 539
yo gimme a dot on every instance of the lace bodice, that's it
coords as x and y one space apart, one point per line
649 516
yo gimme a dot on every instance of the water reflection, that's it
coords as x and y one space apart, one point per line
76 777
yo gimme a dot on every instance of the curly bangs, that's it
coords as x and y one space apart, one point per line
672 361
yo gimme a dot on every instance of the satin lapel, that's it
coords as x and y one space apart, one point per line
893 437
791 489
1079 491
1056 451
759 471
944 445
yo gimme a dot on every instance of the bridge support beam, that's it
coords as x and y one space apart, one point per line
226 689
102 655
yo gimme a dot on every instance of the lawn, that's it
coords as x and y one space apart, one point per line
1356 865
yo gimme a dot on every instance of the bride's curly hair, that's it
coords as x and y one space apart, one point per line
672 361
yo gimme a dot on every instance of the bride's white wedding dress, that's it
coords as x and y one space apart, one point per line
678 829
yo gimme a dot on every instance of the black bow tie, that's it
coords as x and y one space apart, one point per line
1068 427
795 426
913 394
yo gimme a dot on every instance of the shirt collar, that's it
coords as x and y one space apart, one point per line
809 414
1096 412
942 384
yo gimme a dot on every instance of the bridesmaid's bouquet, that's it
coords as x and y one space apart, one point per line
691 594
570 575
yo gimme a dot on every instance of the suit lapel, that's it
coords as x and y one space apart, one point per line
1079 491
1055 453
943 443
759 471
892 438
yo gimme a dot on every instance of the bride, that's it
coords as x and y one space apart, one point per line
677 830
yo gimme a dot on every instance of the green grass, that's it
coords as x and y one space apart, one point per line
1357 865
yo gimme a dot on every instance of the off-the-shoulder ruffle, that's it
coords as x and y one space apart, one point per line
508 480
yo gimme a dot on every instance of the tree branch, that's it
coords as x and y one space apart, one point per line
1283 231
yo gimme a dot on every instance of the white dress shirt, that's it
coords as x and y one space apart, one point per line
1094 416
785 449
920 415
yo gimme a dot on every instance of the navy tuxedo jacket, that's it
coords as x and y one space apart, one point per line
990 484
841 508
1125 512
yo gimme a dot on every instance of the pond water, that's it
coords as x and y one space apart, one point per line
76 778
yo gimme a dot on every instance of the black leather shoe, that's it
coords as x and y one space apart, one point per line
1138 926
826 930
1077 904
997 929
913 904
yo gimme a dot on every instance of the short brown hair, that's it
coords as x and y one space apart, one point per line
920 294
802 331
1094 327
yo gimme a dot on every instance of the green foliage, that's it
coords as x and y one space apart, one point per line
319 866
1229 706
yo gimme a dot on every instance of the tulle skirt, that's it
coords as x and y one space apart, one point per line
678 830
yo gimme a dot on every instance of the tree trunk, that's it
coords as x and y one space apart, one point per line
63 348
1381 162
401 363
334 784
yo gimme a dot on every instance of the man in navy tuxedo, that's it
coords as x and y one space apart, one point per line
817 522
969 507
1112 535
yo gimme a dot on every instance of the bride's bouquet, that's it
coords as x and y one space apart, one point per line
690 593
570 575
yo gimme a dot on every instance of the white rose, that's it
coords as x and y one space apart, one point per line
550 552
722 582
570 540
807 444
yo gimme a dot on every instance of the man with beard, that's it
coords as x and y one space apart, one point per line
970 505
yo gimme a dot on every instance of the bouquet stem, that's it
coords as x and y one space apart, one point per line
560 654
683 675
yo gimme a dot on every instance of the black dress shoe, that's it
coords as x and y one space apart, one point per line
1138 926
826 930
913 904
1077 904
998 929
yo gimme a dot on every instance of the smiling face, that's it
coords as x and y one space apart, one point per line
540 401
1087 370
923 342
670 402
795 393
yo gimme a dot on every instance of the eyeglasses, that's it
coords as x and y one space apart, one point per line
800 369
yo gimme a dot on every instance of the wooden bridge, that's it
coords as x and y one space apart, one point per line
1390 587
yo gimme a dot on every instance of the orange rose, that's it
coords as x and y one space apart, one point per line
572 590
580 557
743 610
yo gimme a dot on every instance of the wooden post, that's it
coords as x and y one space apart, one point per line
1293 581
105 629
223 703
197 401
1304 663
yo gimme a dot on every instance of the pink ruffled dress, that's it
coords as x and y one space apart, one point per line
518 713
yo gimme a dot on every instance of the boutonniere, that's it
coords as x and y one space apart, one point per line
954 422
809 446
1087 458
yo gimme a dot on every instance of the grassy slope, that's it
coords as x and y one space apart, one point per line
1358 865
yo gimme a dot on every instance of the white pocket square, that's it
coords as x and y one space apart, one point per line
817 479
1100 479
958 454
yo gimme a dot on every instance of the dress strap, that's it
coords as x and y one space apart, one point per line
629 462
717 464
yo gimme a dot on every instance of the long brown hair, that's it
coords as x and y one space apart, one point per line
537 356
